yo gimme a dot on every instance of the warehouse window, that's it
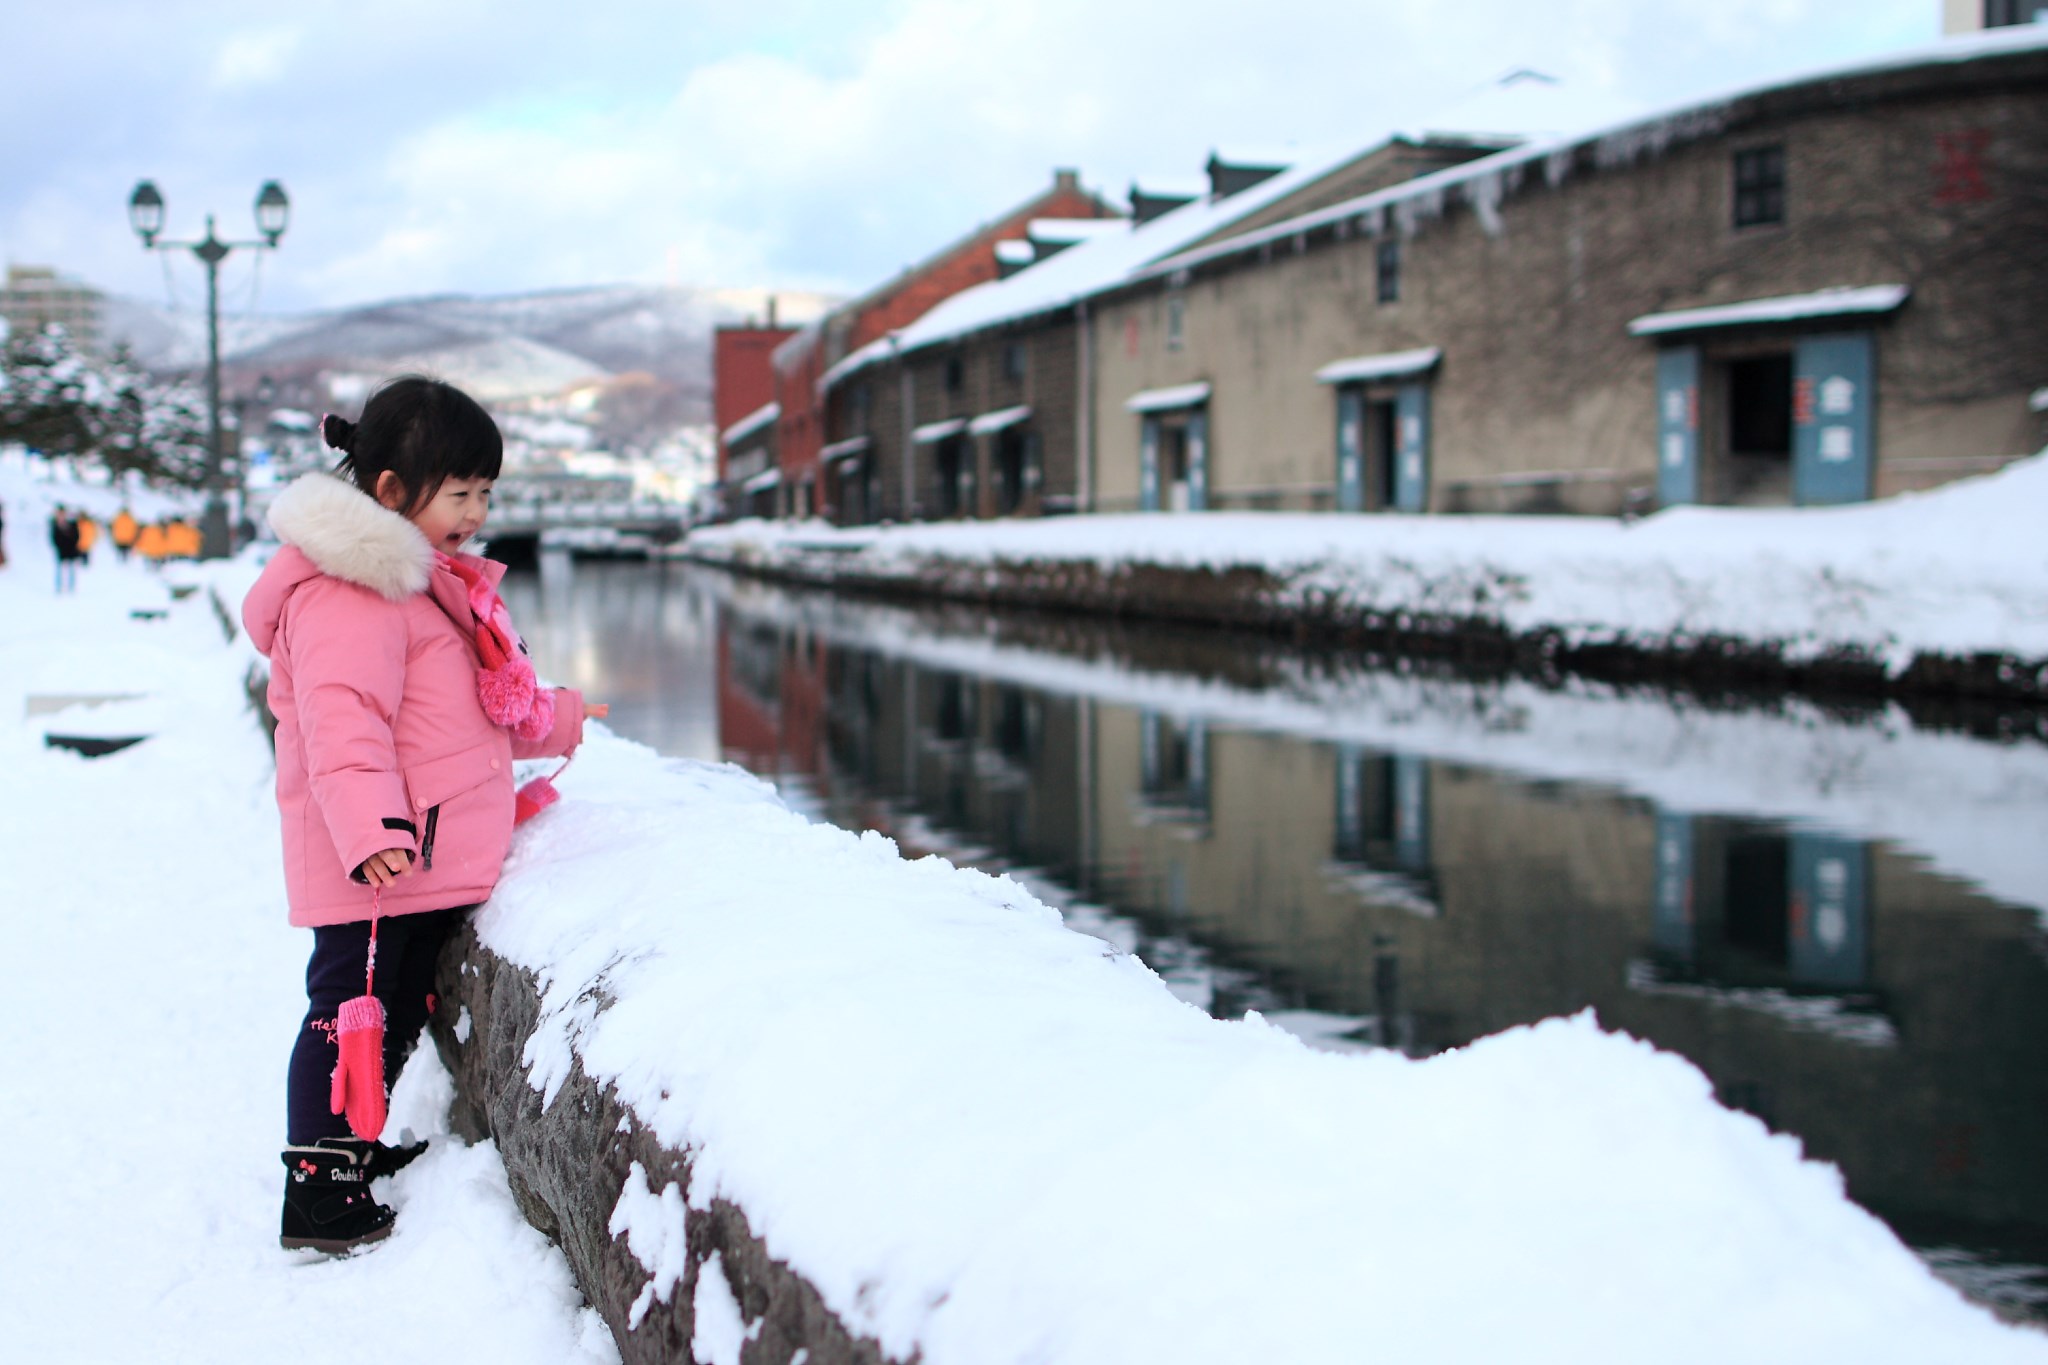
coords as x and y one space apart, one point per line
1389 271
1760 186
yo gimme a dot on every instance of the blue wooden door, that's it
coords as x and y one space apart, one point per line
1671 922
1350 450
1829 939
1832 402
1198 459
1678 425
1411 448
1148 464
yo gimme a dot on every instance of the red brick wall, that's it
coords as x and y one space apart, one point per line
742 374
969 263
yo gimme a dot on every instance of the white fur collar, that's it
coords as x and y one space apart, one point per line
350 535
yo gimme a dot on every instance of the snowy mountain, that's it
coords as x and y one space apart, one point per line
525 345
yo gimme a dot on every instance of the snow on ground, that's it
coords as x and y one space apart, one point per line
154 989
981 1135
1955 570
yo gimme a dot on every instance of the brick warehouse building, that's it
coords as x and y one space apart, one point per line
807 485
742 385
1823 290
975 409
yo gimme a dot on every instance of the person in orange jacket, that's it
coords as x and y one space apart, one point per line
183 540
150 543
124 531
88 535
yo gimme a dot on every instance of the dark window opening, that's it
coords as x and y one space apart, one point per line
956 477
1173 466
956 373
1013 468
1014 362
1756 869
1176 322
1760 406
2005 13
1388 268
1380 463
1760 186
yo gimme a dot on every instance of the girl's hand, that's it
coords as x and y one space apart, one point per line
596 710
382 869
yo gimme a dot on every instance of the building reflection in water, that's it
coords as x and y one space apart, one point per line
1894 1018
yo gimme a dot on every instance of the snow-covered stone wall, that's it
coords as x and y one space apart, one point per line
608 1193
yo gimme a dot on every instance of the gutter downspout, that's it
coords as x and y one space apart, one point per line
907 393
1084 426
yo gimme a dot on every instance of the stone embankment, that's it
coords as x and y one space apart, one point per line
570 1158
1259 601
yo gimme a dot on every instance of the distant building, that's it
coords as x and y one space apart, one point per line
835 478
1820 290
742 384
36 296
1968 16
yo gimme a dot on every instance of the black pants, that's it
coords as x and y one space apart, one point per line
408 946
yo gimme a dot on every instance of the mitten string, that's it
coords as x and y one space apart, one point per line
370 972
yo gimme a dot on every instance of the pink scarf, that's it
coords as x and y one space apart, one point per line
505 683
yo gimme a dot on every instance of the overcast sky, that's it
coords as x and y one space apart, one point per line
453 145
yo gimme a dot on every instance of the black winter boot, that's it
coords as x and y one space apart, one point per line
327 1202
385 1160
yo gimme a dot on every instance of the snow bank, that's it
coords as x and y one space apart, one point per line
983 1136
154 989
1951 572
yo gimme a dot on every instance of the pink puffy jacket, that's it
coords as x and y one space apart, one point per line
381 741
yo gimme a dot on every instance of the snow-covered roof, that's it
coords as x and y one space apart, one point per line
1108 257
996 421
751 423
1163 400
1617 143
839 450
938 431
1822 303
1520 105
2038 400
1016 251
1069 230
1387 365
767 478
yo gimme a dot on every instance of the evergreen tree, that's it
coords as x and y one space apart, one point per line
62 402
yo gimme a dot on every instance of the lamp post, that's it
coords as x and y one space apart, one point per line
146 214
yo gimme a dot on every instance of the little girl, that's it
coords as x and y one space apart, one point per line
402 697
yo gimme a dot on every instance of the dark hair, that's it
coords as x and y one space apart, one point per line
424 431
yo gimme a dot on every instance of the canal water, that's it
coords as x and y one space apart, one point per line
1838 917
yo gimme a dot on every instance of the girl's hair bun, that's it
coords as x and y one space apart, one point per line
338 432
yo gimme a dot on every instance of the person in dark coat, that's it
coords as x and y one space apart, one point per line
64 539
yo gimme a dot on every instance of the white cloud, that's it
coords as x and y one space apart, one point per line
525 146
255 59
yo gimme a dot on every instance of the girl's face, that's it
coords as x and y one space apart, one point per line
454 514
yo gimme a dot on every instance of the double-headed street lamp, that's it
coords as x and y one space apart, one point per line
146 212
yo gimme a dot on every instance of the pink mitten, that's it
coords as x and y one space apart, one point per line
533 798
359 1076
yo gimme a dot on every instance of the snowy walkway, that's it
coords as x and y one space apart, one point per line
981 1136
1955 571
153 995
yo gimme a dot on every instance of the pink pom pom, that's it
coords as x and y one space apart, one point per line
507 693
541 718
